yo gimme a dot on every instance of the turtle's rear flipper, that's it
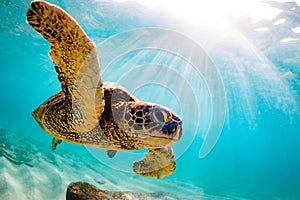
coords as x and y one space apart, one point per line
55 142
156 164
111 153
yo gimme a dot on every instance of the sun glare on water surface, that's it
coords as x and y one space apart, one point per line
213 12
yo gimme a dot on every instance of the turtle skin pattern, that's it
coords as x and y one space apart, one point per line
100 114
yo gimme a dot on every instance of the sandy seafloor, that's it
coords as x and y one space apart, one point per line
237 90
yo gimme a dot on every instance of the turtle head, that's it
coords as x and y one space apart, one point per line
153 123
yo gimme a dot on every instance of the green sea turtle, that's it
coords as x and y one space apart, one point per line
91 112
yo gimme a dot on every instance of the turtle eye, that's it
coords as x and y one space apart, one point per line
161 115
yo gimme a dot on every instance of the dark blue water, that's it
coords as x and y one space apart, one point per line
237 91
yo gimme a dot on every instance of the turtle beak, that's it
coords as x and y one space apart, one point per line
178 132
178 127
173 130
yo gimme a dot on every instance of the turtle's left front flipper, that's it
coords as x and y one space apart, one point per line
156 164
76 62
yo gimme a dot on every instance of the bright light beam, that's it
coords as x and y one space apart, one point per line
212 12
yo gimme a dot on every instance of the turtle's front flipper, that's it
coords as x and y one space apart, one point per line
156 164
76 62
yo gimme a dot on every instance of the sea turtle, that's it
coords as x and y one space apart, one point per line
91 112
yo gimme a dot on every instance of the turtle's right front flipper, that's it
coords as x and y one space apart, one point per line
156 164
76 63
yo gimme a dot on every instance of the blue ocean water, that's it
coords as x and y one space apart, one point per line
237 91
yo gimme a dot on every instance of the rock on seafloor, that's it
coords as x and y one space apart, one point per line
86 191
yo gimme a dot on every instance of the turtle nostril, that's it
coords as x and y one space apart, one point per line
170 128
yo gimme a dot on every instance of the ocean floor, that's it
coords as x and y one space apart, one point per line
30 170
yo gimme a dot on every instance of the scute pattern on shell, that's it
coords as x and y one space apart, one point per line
90 112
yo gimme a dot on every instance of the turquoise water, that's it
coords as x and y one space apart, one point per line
237 91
